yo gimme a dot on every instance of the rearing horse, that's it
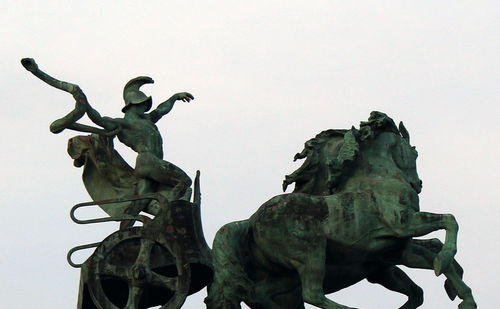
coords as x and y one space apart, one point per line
353 215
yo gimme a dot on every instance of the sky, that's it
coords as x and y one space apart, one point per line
266 77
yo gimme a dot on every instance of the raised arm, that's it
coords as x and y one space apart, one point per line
165 107
81 104
105 122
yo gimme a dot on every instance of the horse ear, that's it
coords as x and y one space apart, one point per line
404 132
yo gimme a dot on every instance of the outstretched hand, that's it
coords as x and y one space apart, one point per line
29 64
184 96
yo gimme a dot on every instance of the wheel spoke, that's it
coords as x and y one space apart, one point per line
163 282
134 297
114 271
182 285
145 251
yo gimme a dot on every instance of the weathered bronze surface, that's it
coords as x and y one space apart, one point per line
160 263
352 215
136 129
165 259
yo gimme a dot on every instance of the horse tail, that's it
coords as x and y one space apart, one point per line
231 284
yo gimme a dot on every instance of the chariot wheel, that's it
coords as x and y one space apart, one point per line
136 268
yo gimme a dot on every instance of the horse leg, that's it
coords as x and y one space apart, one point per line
278 293
423 223
435 245
311 270
394 279
418 256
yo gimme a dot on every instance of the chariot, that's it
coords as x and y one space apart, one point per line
157 264
165 259
353 215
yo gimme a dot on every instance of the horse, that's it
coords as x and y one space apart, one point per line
353 215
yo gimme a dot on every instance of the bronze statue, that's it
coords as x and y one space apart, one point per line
136 129
353 215
164 260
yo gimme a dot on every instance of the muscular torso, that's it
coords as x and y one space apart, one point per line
141 135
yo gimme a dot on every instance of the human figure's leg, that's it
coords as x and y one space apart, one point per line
144 186
151 167
150 171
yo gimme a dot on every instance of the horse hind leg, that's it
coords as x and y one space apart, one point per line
311 269
394 279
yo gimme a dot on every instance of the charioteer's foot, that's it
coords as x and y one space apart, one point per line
468 303
181 192
126 224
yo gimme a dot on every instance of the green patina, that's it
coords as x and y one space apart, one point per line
106 174
352 216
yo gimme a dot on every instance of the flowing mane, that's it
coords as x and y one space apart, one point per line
331 154
353 215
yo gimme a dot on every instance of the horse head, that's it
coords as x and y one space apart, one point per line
403 155
333 155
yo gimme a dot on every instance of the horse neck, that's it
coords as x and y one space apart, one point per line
375 165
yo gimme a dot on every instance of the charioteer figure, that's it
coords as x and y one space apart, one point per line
136 129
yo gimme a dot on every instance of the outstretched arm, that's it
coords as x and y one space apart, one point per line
105 122
165 107
81 104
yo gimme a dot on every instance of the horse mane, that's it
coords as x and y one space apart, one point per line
331 154
377 122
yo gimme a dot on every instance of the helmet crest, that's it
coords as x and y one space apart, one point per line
132 94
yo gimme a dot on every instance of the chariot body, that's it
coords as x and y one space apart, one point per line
159 263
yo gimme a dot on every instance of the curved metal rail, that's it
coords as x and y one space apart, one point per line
124 217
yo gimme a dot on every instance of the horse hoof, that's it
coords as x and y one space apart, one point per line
467 304
443 261
450 289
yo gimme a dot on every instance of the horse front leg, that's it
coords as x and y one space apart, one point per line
423 223
395 279
419 254
435 245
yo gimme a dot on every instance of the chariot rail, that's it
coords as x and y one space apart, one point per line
112 201
124 217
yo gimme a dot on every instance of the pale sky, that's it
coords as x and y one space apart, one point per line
266 76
